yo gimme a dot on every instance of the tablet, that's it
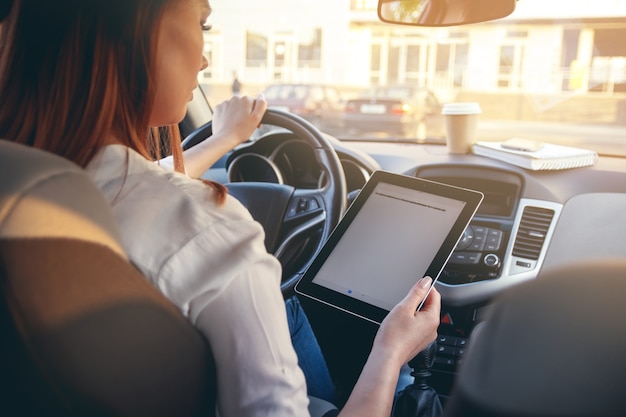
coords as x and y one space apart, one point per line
398 230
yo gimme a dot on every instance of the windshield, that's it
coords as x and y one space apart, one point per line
554 70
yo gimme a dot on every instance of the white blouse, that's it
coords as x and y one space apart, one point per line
211 262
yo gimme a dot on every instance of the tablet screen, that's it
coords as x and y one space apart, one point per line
398 230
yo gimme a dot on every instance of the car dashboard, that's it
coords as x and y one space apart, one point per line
528 220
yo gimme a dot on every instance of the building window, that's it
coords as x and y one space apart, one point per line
518 34
310 48
364 4
375 67
212 49
256 50
510 69
208 72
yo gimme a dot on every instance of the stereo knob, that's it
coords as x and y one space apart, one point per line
491 260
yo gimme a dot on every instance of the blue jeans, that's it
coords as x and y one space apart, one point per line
310 359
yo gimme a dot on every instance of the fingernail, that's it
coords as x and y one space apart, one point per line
425 282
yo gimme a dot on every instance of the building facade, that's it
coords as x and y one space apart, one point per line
545 48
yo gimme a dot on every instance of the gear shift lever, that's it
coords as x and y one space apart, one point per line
419 399
421 365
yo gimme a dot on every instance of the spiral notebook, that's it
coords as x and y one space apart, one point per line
548 157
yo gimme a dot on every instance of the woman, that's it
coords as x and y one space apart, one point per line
89 80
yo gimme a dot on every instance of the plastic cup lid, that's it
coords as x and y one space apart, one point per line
461 108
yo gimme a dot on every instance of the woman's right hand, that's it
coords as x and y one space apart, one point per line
402 335
405 332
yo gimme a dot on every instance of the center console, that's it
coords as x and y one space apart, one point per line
478 257
480 253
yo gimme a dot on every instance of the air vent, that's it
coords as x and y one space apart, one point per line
532 232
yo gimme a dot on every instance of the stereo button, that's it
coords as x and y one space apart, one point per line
467 258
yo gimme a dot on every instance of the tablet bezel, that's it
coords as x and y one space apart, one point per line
375 314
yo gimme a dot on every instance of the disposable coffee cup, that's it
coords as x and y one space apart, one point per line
461 121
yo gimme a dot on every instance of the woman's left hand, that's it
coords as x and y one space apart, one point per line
235 119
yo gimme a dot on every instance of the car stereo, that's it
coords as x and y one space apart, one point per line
478 255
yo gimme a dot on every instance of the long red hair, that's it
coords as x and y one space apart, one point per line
74 71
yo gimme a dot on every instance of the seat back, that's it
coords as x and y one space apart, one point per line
84 333
552 347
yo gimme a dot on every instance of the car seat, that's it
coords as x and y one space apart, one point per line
84 333
551 347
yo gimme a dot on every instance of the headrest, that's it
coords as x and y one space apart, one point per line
43 195
551 347
5 8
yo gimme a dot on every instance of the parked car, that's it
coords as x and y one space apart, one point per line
321 105
405 110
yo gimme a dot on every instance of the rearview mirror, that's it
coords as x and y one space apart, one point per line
443 12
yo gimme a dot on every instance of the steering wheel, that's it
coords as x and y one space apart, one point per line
291 215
